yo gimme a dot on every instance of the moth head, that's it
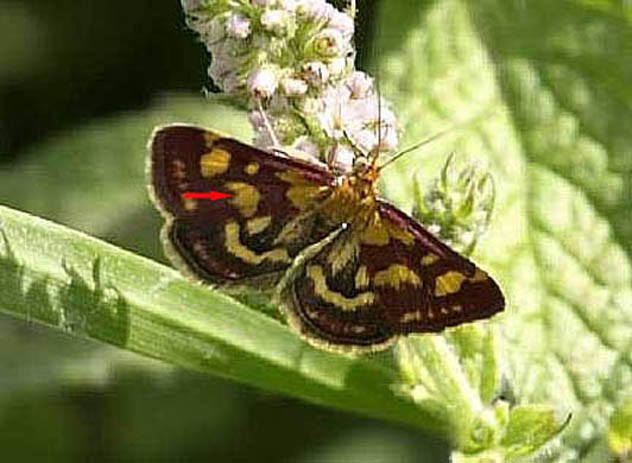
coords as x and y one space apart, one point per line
361 164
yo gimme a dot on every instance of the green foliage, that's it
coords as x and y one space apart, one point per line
545 89
69 281
548 95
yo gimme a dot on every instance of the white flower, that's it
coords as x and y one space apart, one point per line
316 73
331 115
360 84
262 83
330 42
343 23
294 87
434 228
337 67
389 138
288 5
358 119
238 26
315 9
343 157
274 20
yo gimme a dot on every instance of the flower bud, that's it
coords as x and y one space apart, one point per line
262 83
343 156
238 26
330 42
343 23
459 203
293 87
275 20
316 73
360 84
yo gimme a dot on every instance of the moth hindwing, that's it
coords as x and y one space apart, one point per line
352 271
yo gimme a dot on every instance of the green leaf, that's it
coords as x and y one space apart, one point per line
545 91
80 285
528 429
620 432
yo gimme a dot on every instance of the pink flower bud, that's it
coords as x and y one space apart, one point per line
262 83
294 87
274 20
343 158
318 10
360 84
316 73
238 26
343 23
331 42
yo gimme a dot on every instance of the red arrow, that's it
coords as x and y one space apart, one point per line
212 195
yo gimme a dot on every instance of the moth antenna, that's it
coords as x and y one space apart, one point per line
429 140
378 95
353 144
277 146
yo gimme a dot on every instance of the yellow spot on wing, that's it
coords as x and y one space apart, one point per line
304 196
190 204
375 233
429 259
214 163
448 283
237 249
292 177
246 198
315 273
411 317
396 275
362 278
252 168
302 193
258 224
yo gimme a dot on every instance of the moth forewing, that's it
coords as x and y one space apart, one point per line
352 272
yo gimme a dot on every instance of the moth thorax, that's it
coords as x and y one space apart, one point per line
361 163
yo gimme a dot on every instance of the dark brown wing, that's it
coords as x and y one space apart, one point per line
367 287
252 236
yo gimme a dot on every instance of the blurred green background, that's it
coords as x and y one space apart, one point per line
81 86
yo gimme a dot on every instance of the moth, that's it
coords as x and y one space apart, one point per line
350 271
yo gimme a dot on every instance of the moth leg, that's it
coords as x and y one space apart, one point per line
277 147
